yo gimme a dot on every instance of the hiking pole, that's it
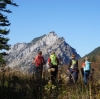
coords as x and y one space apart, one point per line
72 76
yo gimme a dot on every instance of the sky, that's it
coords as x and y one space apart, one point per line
78 21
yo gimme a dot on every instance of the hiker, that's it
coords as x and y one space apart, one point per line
82 68
53 64
39 62
73 69
87 69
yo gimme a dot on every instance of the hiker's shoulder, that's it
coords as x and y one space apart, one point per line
36 56
39 56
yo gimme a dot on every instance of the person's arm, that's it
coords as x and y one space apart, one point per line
34 61
49 62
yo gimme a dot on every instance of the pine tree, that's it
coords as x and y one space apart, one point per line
4 22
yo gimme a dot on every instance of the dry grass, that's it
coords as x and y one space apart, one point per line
15 85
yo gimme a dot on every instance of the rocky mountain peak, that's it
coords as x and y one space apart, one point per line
21 54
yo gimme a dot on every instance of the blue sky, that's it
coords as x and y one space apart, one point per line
78 21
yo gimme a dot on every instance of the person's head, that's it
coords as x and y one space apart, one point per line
73 56
86 58
53 52
40 53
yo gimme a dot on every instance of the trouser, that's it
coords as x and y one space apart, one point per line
54 73
38 71
73 75
86 76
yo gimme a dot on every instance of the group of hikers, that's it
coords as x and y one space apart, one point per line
74 70
54 62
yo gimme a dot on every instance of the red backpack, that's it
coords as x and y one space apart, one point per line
39 60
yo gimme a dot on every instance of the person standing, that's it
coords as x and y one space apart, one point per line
53 64
39 62
87 69
73 69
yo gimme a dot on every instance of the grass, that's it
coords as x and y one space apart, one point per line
15 85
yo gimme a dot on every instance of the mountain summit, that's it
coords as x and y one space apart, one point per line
21 54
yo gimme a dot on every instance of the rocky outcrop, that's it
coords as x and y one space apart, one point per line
21 54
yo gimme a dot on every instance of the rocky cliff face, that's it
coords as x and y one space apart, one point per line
21 54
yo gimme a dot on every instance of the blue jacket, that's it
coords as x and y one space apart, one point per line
87 66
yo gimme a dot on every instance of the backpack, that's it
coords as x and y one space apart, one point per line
87 66
53 59
39 60
74 64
